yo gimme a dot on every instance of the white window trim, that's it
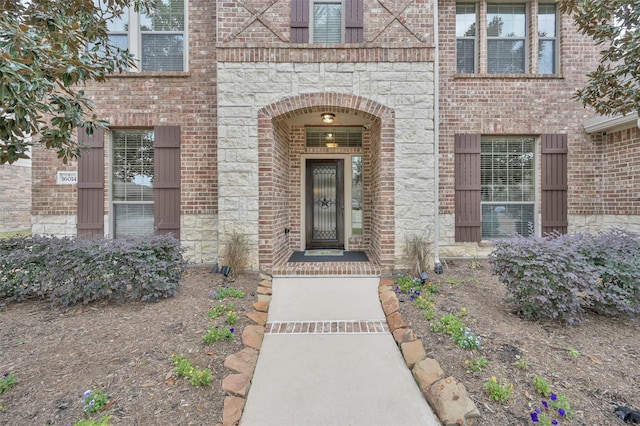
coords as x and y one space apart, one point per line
135 39
556 39
311 20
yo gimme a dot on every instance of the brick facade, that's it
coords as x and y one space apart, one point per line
248 92
15 198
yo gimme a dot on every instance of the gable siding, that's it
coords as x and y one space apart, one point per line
166 185
554 183
90 221
468 224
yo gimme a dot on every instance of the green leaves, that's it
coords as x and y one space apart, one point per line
48 48
614 87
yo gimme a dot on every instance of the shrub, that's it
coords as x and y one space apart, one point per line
558 276
416 253
236 253
69 271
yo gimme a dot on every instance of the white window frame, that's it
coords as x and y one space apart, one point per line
112 202
555 39
312 3
524 38
134 38
474 37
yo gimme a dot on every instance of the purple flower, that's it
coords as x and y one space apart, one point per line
232 329
554 397
545 404
86 394
554 422
5 375
561 412
534 417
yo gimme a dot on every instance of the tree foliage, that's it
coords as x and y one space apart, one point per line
49 50
614 87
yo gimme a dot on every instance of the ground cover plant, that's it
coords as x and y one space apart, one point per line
582 372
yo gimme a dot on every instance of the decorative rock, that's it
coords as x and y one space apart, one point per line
386 281
449 399
252 336
385 288
236 384
413 352
402 335
261 306
427 372
264 298
265 277
266 283
243 362
232 410
259 317
264 290
390 305
395 321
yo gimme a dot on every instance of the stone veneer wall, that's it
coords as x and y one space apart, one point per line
405 88
15 198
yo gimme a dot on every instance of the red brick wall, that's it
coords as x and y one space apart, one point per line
186 99
620 184
15 197
518 105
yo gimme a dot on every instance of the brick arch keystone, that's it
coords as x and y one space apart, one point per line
273 167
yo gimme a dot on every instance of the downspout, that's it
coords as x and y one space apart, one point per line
436 145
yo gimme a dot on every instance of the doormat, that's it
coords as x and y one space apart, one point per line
323 252
346 256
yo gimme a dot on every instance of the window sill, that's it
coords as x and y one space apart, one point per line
510 76
154 74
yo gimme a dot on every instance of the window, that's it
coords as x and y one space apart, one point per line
547 38
132 177
155 38
506 38
334 137
507 180
466 36
357 197
504 34
327 21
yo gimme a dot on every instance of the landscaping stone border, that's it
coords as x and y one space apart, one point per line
447 396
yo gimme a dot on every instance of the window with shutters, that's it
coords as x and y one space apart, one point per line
132 179
156 38
507 185
327 21
505 36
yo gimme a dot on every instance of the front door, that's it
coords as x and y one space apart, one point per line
324 204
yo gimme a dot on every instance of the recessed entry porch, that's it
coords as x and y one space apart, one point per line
326 183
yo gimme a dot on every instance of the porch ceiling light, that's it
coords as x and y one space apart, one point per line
327 117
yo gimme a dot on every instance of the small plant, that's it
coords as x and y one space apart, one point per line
423 301
521 364
94 401
498 392
574 353
216 334
475 263
478 364
217 311
454 282
429 314
102 421
406 284
7 381
461 335
232 318
431 288
196 376
417 252
558 405
541 386
227 291
236 253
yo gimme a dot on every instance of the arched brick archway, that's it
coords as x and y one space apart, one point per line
279 159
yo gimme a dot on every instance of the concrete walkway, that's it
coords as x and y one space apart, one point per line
328 359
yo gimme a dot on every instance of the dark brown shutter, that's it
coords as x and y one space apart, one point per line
554 183
354 21
90 216
299 21
166 181
467 187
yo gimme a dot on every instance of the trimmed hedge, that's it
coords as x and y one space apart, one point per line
559 276
70 271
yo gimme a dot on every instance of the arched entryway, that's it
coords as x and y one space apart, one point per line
284 157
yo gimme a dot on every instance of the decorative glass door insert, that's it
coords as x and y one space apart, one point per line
324 204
